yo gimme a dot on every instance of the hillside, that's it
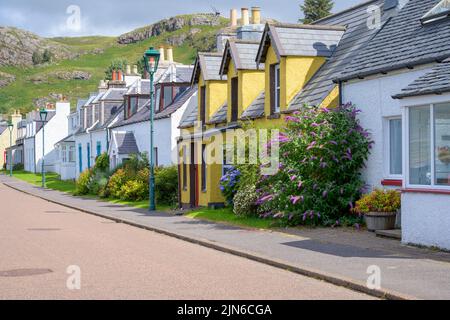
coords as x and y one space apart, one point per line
25 86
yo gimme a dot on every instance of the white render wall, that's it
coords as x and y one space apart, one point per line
83 140
374 97
29 159
426 219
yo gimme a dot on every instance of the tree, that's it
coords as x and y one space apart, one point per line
118 64
47 56
36 58
314 10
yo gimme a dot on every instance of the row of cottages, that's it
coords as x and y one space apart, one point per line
115 119
6 136
388 57
401 81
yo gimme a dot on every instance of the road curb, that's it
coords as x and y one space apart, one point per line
319 275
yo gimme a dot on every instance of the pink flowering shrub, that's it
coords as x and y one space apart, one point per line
322 153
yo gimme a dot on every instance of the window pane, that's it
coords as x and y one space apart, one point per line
419 146
442 144
395 146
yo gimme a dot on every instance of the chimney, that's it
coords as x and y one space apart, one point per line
244 17
233 18
119 75
169 54
114 77
128 70
135 70
162 57
256 15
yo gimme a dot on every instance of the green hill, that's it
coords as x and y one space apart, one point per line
34 85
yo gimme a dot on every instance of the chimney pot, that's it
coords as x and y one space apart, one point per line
169 54
162 56
256 15
233 18
128 69
135 70
244 17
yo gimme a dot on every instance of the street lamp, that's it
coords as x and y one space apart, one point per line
10 127
43 115
151 59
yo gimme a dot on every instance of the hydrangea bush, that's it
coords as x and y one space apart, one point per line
322 153
229 184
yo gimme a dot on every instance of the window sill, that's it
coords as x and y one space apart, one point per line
392 182
425 190
274 116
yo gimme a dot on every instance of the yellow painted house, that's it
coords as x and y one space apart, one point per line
257 81
16 117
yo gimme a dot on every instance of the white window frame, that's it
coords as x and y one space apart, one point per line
387 149
421 102
64 153
277 105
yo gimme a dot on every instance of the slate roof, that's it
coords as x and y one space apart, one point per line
190 119
81 103
256 108
126 143
437 81
141 86
113 94
354 39
184 73
209 65
243 54
220 116
300 40
91 98
403 42
3 128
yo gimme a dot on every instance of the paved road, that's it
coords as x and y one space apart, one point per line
40 240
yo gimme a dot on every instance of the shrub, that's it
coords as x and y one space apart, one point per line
229 183
166 185
18 167
379 201
102 163
82 184
97 183
134 190
321 154
244 202
115 183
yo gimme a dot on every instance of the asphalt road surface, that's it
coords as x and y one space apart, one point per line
51 252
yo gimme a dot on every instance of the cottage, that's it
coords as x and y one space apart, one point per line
399 82
6 136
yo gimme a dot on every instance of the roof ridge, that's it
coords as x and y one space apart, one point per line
308 26
354 7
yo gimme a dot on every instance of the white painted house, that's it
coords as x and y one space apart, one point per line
56 128
402 87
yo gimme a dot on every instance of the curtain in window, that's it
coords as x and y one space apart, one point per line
395 147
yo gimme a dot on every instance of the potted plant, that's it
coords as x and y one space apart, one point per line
379 209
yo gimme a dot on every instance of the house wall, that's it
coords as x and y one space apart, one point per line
426 219
29 159
5 137
374 97
81 139
216 95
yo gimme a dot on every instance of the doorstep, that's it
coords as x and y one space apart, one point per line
391 234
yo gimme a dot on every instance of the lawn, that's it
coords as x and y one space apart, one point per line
227 216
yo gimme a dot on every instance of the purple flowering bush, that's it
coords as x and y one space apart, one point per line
322 153
229 184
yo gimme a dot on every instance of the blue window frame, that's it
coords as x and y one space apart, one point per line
99 148
80 158
88 149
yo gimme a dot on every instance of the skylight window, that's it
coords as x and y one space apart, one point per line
440 11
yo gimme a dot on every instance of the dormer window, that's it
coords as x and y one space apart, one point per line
440 11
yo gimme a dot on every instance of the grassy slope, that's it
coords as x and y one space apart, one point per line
20 94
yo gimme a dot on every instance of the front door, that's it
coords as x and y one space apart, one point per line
193 181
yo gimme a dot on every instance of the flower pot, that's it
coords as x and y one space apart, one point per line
380 220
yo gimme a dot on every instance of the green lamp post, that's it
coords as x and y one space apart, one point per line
43 115
151 58
10 127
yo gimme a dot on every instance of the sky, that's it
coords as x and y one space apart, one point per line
50 18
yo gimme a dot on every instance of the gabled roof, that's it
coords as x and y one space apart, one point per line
126 143
220 116
403 42
243 53
81 103
437 81
141 86
208 63
177 104
256 108
91 98
113 94
299 40
190 118
356 36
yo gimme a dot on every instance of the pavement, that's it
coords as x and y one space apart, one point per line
342 257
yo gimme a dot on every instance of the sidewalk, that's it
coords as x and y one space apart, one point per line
334 255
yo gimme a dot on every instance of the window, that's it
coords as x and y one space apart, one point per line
395 147
203 167
234 99
429 145
64 154
440 11
203 104
275 86
71 153
226 166
158 102
184 168
168 96
99 148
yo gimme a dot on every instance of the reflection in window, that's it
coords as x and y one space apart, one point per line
442 144
419 146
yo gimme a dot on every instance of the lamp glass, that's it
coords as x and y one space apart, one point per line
10 126
151 58
43 114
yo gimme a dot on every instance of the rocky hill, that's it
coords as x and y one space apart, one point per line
17 47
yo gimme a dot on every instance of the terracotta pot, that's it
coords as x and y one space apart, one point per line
380 220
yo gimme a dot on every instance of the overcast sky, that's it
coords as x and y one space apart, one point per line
113 17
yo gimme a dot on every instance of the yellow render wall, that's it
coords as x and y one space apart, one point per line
5 140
